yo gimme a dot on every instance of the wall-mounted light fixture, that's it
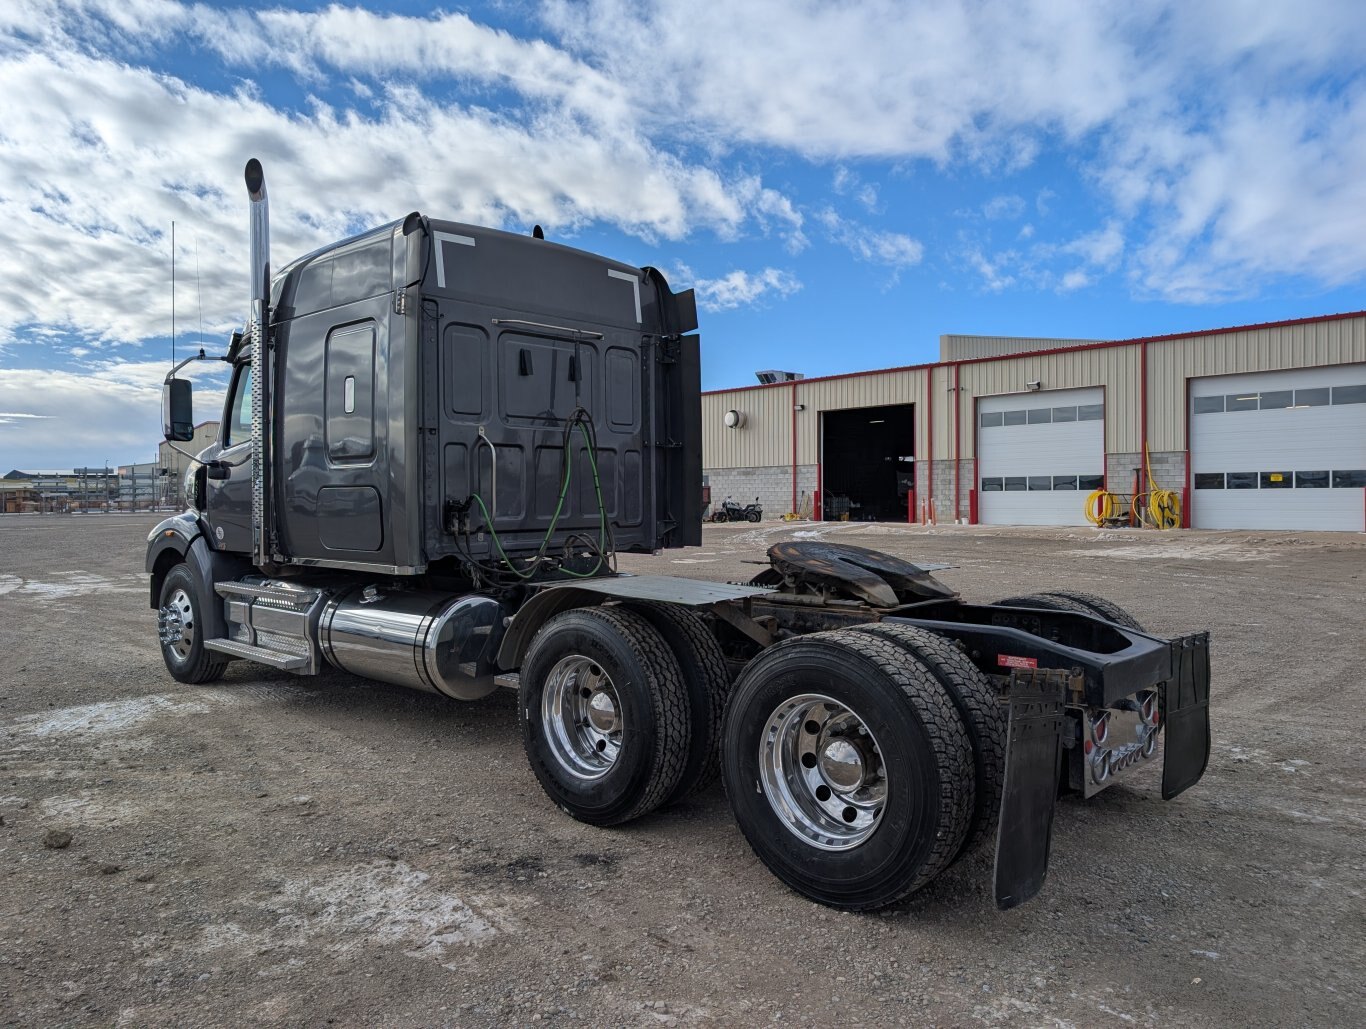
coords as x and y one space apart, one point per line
1035 385
735 419
799 407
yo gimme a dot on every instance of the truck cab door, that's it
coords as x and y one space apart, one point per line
227 501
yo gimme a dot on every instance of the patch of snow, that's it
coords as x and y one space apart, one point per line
1173 552
106 716
383 903
75 583
88 808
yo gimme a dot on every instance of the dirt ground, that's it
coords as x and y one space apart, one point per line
331 851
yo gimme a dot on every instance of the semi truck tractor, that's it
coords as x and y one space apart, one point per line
436 441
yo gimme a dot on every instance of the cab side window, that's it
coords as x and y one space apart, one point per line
239 410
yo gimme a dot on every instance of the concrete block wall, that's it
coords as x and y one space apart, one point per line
771 484
1169 470
806 488
943 480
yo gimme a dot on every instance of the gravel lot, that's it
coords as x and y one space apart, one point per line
330 851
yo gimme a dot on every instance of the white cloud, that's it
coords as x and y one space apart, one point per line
102 155
741 288
992 269
876 79
1074 280
1101 248
1229 135
1273 189
772 210
849 183
876 246
109 410
1006 206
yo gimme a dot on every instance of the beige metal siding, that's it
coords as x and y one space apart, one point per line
902 387
765 439
1115 368
964 348
1171 362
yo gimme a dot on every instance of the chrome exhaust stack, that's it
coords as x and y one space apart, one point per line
259 237
258 333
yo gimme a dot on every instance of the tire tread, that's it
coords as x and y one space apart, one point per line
207 665
943 727
668 699
984 718
701 660
1107 609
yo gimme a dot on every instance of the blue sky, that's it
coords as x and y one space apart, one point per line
842 183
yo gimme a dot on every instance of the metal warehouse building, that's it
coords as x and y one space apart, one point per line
1255 427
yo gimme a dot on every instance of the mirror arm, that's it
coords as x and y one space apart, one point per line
178 450
201 355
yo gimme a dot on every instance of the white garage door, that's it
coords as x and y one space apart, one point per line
1039 455
1280 450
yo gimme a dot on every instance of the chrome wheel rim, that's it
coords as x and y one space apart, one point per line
582 716
823 772
175 625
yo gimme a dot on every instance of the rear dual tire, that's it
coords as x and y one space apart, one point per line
985 720
849 768
605 716
706 679
1075 600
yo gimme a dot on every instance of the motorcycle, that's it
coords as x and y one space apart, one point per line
733 512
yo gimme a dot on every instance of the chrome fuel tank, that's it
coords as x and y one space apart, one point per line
424 640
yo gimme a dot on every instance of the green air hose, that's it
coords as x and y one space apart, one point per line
559 508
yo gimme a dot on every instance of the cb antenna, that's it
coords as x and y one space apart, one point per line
172 292
199 290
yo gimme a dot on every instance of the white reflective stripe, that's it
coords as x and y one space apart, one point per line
350 402
447 237
634 280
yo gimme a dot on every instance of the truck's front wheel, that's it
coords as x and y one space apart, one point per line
605 715
180 628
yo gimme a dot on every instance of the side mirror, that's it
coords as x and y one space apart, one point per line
177 410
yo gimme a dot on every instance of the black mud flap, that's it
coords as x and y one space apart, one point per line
1185 715
1031 783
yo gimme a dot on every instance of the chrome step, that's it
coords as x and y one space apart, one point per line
262 655
295 597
